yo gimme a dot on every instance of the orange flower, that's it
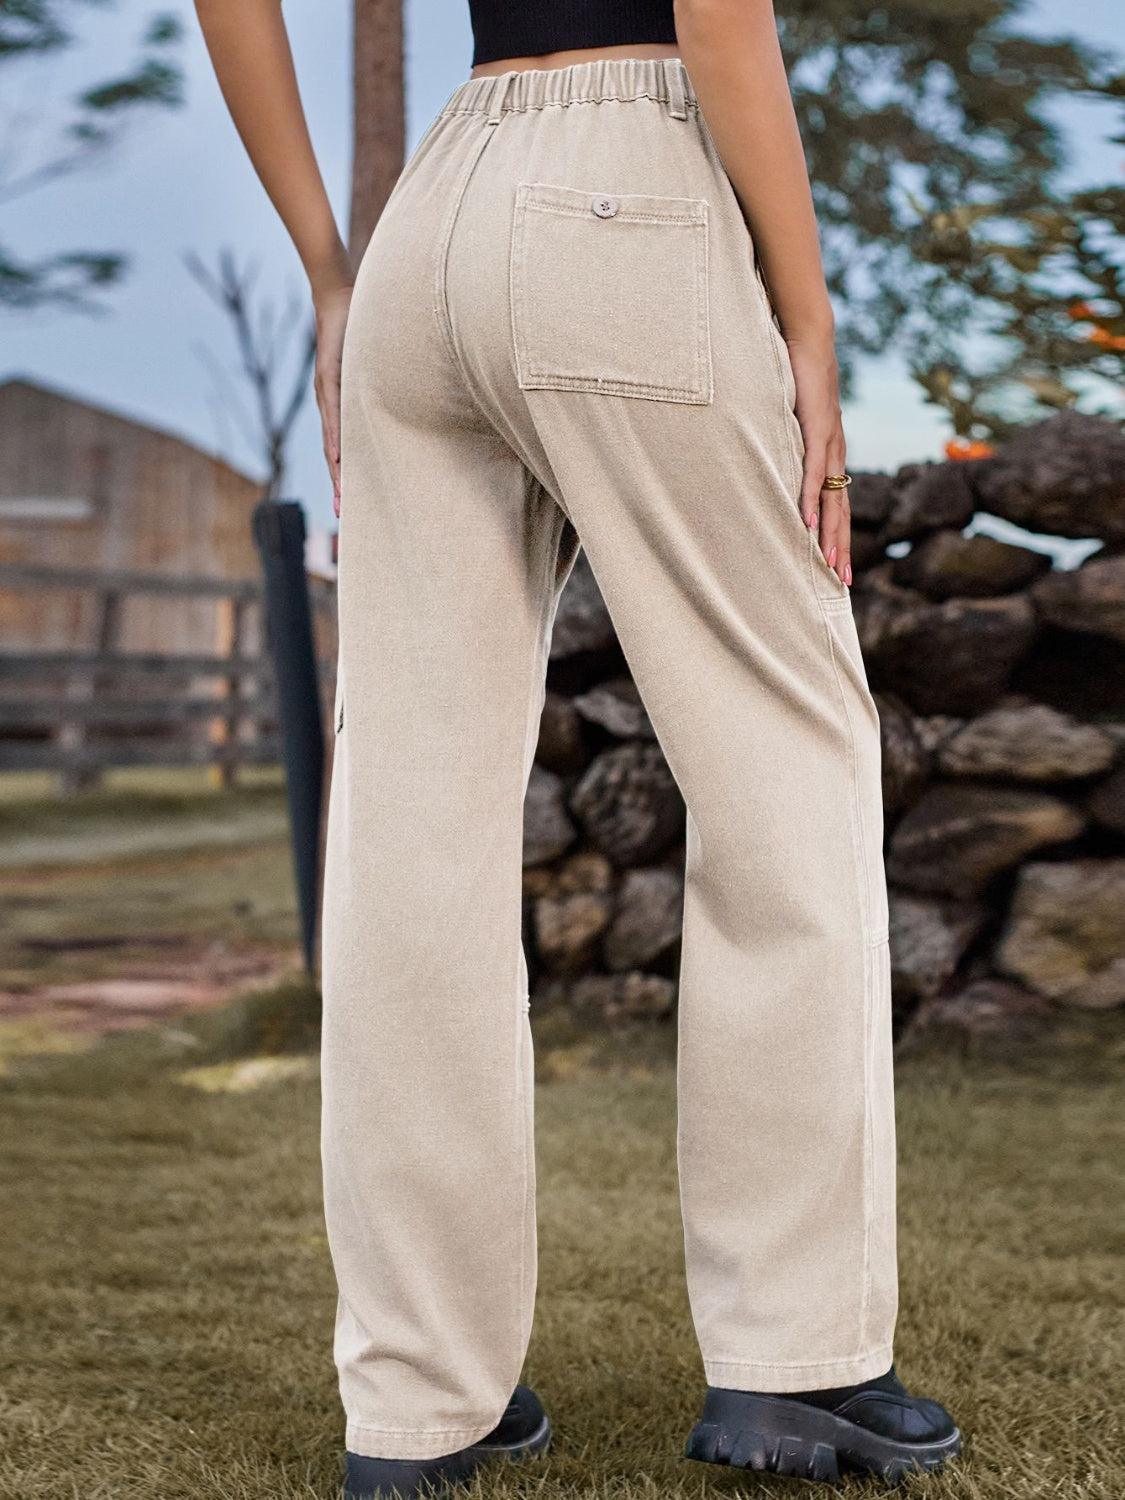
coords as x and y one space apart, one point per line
1106 340
1081 312
962 449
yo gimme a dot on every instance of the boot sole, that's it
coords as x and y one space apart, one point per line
404 1478
785 1437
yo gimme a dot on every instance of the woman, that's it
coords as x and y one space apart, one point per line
559 334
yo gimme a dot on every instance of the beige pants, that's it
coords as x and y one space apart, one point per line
559 318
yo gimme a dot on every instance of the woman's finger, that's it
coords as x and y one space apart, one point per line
839 552
811 481
331 320
331 439
328 399
835 534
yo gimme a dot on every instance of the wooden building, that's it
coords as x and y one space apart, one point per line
82 487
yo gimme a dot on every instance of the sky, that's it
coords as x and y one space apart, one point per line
180 183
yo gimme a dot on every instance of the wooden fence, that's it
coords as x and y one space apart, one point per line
81 712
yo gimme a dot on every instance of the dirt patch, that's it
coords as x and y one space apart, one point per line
181 975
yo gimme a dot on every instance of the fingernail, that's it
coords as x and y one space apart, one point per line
832 557
848 574
813 519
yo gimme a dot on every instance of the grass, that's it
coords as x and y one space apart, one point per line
168 1299
152 867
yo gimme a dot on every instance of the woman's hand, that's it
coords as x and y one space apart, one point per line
826 512
733 56
331 318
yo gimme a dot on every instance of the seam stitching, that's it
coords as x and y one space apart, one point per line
545 380
521 109
799 1364
441 302
704 364
859 858
515 282
418 1431
622 216
546 601
796 472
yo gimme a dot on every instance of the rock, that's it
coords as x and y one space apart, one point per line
868 549
1065 935
561 746
934 729
948 565
621 997
877 601
927 497
586 871
1064 476
870 497
629 805
617 707
567 929
1032 743
1106 803
547 829
928 939
1082 675
538 880
648 919
906 763
1090 599
989 1010
955 657
582 621
956 838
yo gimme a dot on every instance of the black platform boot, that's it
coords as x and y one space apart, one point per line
876 1427
523 1430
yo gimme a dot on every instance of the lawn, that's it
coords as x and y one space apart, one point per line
150 871
168 1298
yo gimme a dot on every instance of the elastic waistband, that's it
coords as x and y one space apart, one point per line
663 79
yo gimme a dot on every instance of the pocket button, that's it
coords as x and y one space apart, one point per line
605 207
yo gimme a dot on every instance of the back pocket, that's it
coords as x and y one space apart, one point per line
609 293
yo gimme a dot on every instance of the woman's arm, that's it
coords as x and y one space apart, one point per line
731 52
254 65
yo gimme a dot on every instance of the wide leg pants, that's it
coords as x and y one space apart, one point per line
559 319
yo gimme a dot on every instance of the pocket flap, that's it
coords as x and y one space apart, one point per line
627 207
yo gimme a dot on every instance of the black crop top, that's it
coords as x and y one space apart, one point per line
528 28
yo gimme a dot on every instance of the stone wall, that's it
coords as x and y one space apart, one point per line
1001 688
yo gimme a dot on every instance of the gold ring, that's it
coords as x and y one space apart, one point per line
836 481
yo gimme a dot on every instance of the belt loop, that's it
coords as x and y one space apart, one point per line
677 96
498 94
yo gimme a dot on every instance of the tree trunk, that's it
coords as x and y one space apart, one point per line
380 115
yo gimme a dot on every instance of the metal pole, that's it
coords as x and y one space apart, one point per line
279 530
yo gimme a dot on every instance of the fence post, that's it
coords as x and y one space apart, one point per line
279 530
81 689
225 727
